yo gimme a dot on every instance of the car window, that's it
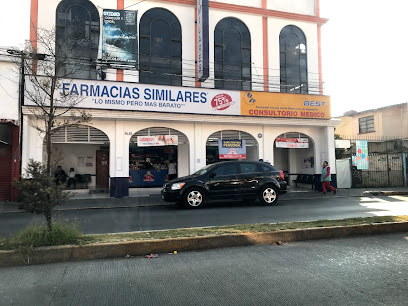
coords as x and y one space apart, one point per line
248 168
266 168
226 169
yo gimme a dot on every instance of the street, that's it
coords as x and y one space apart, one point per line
216 214
369 270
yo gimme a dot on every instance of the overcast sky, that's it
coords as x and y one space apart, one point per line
364 48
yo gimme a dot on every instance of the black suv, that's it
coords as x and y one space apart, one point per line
227 180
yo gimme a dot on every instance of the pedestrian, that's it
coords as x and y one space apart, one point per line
326 178
71 178
60 176
172 170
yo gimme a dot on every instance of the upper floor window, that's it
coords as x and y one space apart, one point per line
232 55
160 48
77 38
366 124
293 60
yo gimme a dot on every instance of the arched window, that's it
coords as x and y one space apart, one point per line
232 55
160 48
77 38
293 60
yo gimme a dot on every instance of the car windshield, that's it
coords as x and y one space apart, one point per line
203 170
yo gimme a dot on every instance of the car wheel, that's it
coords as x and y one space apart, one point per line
194 198
268 195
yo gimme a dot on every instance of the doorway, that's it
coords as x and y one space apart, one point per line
102 169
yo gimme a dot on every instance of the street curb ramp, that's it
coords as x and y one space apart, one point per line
44 255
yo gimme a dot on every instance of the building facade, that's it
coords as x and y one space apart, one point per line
155 97
386 122
9 126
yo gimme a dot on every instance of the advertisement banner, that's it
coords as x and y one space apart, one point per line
342 143
292 143
232 149
160 140
269 104
362 154
110 95
119 36
144 97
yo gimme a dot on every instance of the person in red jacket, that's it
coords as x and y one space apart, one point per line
326 178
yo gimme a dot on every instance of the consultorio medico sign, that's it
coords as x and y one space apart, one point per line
145 97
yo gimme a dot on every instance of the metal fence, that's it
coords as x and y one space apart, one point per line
386 165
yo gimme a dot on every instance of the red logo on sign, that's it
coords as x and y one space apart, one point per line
148 177
221 102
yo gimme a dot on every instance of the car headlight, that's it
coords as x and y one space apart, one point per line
177 186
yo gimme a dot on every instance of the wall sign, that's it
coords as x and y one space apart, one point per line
154 141
109 95
203 67
232 149
342 144
292 143
268 104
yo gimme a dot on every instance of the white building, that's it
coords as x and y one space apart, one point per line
264 83
9 129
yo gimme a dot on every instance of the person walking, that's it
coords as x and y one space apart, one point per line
172 170
326 178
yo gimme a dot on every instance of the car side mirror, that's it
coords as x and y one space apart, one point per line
212 174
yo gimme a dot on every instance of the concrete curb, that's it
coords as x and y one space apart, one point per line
136 248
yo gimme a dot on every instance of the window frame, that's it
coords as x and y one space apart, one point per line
245 65
147 75
300 71
368 126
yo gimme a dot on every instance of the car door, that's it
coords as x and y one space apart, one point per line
250 175
224 181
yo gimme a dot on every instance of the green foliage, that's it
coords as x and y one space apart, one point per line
39 193
39 235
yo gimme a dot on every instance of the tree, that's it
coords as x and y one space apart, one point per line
44 73
42 76
39 193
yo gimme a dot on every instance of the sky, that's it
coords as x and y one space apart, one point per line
364 46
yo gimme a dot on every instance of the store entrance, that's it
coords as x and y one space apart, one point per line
157 155
249 151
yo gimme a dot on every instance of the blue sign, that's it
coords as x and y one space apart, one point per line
232 148
203 67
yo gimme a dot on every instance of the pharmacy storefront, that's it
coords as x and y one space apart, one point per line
142 131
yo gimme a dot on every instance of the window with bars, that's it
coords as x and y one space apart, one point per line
366 124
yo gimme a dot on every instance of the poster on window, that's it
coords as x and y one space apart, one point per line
119 36
232 149
362 154
292 143
160 140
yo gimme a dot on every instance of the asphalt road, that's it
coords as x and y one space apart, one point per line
170 216
353 271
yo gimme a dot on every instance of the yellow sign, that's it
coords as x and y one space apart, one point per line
270 104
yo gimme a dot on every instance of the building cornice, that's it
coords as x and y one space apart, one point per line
98 114
254 10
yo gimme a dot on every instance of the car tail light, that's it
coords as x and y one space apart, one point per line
281 174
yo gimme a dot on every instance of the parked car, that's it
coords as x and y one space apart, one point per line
227 180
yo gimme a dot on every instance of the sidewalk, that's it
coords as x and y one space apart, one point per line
142 197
